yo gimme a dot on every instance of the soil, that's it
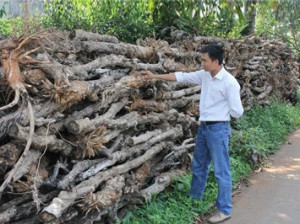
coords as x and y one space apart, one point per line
273 195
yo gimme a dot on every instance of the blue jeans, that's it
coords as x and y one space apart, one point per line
212 145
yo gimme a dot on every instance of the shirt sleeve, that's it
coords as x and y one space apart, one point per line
190 77
234 99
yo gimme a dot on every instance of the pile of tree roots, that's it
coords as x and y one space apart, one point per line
84 136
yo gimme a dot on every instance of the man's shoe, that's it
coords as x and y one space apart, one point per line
219 217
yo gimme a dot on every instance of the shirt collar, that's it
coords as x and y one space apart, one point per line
220 74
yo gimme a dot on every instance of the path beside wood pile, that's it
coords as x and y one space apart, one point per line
273 195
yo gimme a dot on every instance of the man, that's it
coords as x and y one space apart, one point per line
219 101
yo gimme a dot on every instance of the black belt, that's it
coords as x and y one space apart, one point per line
209 122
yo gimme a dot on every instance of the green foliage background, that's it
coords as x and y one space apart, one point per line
280 19
129 20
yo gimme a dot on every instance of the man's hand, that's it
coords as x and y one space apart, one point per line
148 75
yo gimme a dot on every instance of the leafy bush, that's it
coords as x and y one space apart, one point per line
130 20
68 14
11 26
250 145
280 19
239 169
127 20
205 17
263 129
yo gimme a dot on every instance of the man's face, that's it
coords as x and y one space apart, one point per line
207 64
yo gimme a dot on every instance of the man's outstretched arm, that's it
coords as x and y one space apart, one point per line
149 76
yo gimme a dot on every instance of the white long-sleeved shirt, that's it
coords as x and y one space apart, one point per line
220 96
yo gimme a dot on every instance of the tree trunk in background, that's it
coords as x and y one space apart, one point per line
250 14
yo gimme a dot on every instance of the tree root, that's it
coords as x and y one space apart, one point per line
11 173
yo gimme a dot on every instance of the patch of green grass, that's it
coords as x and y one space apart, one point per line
239 170
174 206
261 130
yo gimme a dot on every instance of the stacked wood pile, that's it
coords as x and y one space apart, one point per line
264 68
84 136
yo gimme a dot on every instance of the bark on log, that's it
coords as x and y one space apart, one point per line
131 151
160 106
94 216
110 194
8 44
160 183
86 125
82 71
9 154
78 168
30 158
15 202
178 94
41 142
65 199
24 210
143 138
84 35
129 50
133 119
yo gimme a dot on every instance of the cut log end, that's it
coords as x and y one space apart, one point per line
46 217
73 127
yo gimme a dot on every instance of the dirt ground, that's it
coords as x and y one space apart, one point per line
273 196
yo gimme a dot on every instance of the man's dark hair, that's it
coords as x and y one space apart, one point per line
214 51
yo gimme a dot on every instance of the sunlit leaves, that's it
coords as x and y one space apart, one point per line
201 17
128 20
131 19
280 18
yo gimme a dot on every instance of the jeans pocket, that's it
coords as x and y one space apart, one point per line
216 127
